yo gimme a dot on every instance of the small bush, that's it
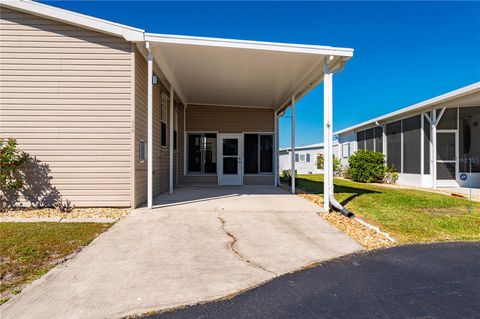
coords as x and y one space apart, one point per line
390 176
11 159
65 207
336 164
366 166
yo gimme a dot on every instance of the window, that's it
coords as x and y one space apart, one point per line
163 119
369 141
175 128
142 150
345 150
469 131
258 153
394 146
411 144
361 140
303 158
379 139
202 153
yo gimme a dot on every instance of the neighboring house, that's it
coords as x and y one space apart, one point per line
115 116
429 143
305 158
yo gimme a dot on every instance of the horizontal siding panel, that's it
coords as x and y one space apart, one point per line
258 180
59 60
66 66
76 113
61 50
65 118
66 98
61 72
87 91
119 58
229 119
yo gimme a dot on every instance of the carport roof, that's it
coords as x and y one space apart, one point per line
241 73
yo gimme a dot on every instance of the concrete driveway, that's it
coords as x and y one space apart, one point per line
199 244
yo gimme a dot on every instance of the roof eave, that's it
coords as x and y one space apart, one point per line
469 89
81 20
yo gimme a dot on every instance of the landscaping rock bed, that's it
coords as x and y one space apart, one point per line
363 235
77 213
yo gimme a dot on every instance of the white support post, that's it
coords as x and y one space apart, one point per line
149 128
327 132
293 146
170 170
433 137
275 137
422 149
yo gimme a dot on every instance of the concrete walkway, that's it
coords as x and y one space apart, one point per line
198 245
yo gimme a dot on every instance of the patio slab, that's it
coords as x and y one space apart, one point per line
198 246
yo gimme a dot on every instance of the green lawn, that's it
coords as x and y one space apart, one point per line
29 250
410 215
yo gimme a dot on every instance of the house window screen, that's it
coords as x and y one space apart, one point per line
426 146
303 158
411 145
448 121
369 142
175 129
251 154
394 147
258 153
379 139
163 120
202 153
469 132
361 140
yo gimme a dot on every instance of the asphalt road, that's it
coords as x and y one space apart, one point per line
420 281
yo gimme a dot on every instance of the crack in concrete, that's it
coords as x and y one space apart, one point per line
232 247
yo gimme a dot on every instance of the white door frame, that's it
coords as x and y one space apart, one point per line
452 182
220 138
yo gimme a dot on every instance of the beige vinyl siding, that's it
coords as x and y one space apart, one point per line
222 119
226 119
160 154
258 179
66 98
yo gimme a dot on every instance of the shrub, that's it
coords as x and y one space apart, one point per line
65 207
336 164
390 176
366 166
11 159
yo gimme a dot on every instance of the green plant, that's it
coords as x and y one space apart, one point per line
336 163
390 176
10 161
366 166
65 207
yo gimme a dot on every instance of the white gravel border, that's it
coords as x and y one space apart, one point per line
56 220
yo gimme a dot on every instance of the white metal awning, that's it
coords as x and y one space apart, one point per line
240 73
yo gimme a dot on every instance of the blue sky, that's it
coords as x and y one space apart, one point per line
405 52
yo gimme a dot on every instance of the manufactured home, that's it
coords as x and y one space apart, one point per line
305 158
113 115
434 143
